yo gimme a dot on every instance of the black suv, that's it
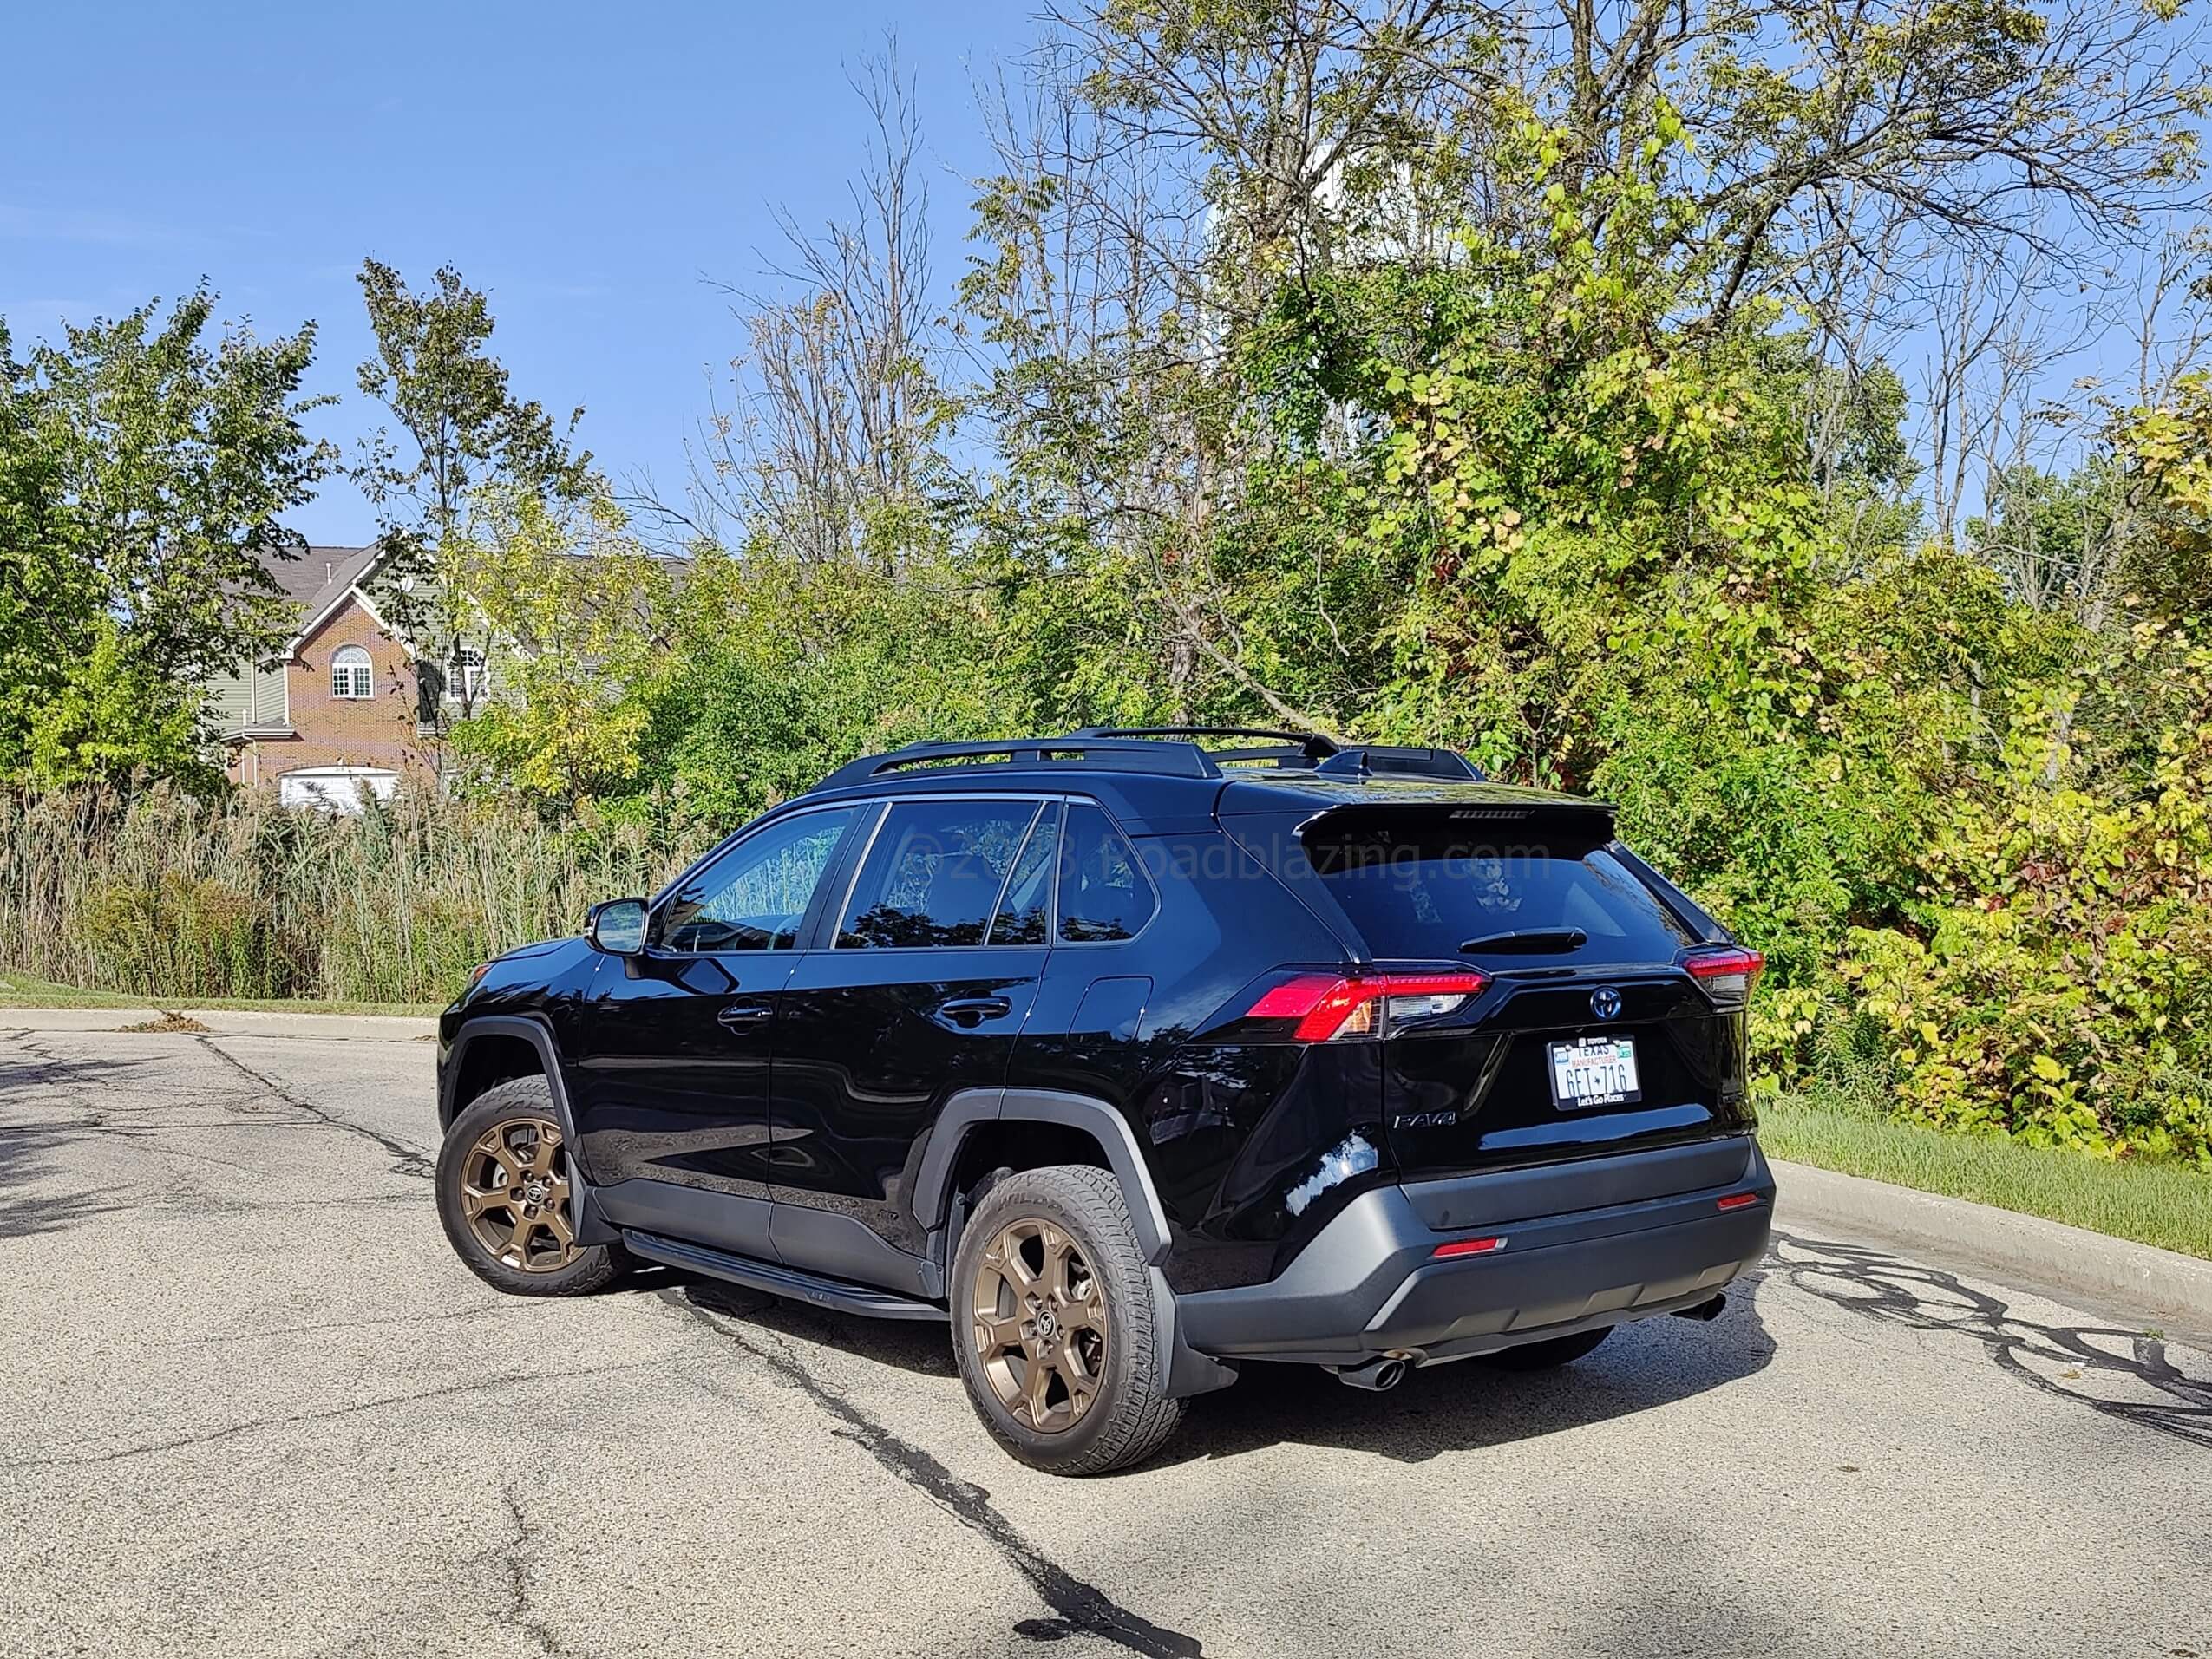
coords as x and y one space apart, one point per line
1134 1056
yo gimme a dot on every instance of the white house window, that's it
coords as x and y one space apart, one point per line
465 678
350 673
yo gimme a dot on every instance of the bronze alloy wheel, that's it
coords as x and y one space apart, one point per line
515 1194
1039 1325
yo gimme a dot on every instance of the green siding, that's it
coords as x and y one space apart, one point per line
254 697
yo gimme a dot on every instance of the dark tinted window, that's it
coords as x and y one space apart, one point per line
1426 899
1103 896
1022 918
755 896
935 872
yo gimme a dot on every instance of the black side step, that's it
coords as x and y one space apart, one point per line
779 1279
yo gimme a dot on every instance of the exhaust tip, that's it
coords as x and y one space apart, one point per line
1709 1309
1378 1376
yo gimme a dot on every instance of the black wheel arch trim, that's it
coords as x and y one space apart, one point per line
939 1210
1116 1138
535 1033
590 1229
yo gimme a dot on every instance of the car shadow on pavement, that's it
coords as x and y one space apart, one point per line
906 1345
1451 1407
1467 1405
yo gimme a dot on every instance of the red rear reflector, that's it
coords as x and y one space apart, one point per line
1326 1006
1469 1247
1737 1200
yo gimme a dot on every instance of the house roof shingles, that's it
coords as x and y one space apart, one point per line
316 577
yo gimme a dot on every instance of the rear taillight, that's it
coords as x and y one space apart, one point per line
1727 975
1331 1008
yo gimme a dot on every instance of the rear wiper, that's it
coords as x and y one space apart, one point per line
1533 940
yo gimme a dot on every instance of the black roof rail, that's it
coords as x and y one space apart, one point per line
1392 759
1291 756
1312 745
1163 751
1168 759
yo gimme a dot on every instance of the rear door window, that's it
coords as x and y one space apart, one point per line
1422 896
935 874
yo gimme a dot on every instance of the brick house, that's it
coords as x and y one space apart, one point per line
338 714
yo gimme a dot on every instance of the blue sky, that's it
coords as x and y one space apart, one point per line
594 167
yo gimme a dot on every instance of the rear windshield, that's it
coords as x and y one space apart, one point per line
1427 897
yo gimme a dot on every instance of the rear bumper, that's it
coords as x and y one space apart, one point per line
1370 1284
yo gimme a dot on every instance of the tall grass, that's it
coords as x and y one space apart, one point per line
163 894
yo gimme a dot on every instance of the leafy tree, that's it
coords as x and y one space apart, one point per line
1541 387
145 472
461 429
2168 446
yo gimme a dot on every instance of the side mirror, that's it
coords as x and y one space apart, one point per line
618 926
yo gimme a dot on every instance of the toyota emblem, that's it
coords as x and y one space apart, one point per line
1605 1002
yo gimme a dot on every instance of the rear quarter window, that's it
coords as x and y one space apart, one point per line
1104 896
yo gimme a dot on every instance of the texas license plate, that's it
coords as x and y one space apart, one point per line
1593 1071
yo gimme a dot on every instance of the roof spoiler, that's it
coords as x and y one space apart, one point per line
1386 760
1503 829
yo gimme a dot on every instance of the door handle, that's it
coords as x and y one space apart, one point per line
971 1011
737 1015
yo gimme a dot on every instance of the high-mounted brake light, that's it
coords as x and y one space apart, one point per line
1329 1008
1727 975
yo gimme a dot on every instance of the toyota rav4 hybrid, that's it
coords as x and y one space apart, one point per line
1133 1057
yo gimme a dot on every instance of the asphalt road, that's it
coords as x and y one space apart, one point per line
250 1404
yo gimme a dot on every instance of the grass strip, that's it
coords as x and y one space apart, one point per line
2165 1204
22 990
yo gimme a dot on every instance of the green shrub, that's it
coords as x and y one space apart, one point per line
2061 989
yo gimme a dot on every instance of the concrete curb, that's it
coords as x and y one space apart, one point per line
75 1019
228 1022
2157 1285
372 1028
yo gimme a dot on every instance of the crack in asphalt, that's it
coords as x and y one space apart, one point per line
478 1311
1082 1607
232 1431
516 1557
1881 1287
411 1162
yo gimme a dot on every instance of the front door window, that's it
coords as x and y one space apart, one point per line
755 896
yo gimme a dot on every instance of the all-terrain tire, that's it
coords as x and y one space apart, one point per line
1544 1356
461 1180
1131 1415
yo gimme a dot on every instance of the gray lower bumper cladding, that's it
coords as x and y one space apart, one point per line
1369 1283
